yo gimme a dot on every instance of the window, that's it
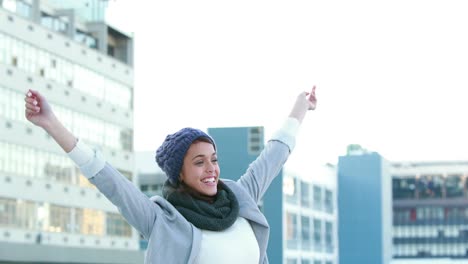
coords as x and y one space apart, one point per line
37 61
454 185
317 235
430 186
305 195
328 201
59 219
290 189
111 50
317 197
127 174
7 212
329 237
454 214
401 216
306 233
22 8
126 139
86 39
291 231
255 140
17 213
117 226
55 170
89 221
403 187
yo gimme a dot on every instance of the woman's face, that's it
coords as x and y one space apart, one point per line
200 169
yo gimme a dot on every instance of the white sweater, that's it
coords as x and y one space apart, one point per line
235 245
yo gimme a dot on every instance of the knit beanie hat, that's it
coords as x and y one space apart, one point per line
170 155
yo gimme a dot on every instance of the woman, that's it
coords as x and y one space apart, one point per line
200 219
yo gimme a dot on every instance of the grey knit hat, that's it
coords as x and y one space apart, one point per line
170 155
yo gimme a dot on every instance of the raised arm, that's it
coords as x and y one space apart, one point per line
305 101
266 167
39 112
136 208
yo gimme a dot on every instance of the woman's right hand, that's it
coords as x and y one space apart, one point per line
37 109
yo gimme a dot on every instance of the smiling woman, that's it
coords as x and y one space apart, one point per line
199 211
200 170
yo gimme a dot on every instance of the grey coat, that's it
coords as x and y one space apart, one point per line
172 239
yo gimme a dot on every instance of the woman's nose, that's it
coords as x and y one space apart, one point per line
210 167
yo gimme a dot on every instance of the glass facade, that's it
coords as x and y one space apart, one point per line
30 162
430 214
91 129
17 213
89 221
117 226
430 186
32 215
39 62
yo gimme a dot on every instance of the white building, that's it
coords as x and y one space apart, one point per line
49 212
310 215
430 209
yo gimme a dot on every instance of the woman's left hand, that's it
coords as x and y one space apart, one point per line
312 99
305 101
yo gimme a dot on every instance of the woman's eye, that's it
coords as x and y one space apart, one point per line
214 160
198 163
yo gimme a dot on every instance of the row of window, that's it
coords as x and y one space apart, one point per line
450 214
20 7
42 63
153 189
90 129
54 218
308 233
430 250
307 261
35 163
308 195
430 186
430 231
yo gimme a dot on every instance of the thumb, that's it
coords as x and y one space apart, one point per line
39 97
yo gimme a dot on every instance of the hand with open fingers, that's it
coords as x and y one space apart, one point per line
37 109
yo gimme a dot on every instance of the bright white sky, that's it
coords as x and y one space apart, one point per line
390 75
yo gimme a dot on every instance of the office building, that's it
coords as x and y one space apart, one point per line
49 212
430 209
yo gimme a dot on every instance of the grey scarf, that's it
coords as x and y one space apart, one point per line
215 213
